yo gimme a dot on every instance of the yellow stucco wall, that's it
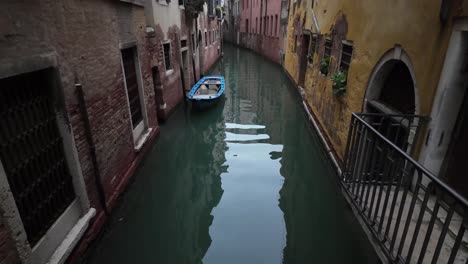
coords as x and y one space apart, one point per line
374 27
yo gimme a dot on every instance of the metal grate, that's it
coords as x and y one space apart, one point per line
31 151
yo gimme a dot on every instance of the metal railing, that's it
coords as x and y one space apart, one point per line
415 216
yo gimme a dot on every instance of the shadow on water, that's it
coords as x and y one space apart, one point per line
245 182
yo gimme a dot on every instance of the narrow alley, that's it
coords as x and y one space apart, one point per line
247 182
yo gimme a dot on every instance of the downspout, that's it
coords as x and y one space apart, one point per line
315 21
92 148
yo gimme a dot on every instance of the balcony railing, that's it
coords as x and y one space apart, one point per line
415 217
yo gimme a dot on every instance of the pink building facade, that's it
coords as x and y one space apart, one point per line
260 28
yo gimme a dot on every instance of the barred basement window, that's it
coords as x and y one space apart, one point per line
131 82
32 152
167 55
312 47
346 53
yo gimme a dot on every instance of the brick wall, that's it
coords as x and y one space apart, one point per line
84 36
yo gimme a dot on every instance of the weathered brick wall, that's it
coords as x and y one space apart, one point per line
85 36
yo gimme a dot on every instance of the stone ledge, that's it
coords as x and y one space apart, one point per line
142 140
72 238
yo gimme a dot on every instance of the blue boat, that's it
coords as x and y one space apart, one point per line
206 92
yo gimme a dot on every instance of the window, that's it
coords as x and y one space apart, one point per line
167 55
32 153
312 47
325 63
267 23
247 25
271 25
328 46
264 25
181 2
276 25
346 53
183 43
256 25
295 44
131 83
213 35
206 39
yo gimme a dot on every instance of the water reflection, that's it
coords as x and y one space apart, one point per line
248 226
246 182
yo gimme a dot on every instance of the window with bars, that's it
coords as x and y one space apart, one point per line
167 55
32 152
312 47
346 53
131 82
325 63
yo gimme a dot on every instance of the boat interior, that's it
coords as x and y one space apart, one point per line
208 88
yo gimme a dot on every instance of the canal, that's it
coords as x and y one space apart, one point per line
245 182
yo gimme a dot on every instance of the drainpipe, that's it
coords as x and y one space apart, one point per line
317 27
92 148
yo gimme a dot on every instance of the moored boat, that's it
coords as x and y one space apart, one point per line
207 91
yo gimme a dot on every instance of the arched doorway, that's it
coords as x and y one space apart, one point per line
391 98
392 86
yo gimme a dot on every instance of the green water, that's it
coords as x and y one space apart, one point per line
245 182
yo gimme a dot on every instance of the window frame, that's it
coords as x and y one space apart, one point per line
169 69
138 129
311 50
345 43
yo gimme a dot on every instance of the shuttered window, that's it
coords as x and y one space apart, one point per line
131 81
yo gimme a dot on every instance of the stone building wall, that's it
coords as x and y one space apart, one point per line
84 38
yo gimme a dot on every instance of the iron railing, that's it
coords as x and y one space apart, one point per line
415 217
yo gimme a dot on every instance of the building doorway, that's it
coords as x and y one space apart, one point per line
303 58
391 91
185 70
445 148
158 96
